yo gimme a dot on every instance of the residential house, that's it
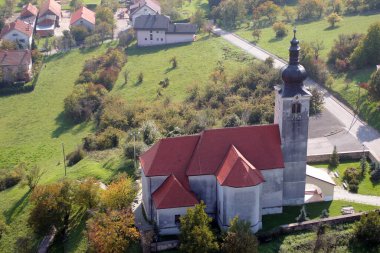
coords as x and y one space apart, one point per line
19 32
152 30
16 65
143 7
83 17
48 19
245 171
29 14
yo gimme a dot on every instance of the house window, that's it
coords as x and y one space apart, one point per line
146 38
177 219
162 39
14 34
157 32
151 36
151 31
296 108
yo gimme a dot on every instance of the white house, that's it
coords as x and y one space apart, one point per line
83 17
19 32
245 171
152 30
144 7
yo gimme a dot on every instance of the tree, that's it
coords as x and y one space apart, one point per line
317 46
32 176
367 52
230 12
76 4
8 45
174 62
87 193
316 101
334 159
196 235
289 14
104 30
280 29
268 9
198 18
53 205
307 9
120 194
126 38
363 164
367 230
113 231
334 18
79 33
374 84
353 5
303 215
150 132
256 34
325 213
207 27
104 14
239 238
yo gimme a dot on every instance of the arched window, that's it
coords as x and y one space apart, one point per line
296 108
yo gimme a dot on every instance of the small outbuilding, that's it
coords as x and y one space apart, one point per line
319 185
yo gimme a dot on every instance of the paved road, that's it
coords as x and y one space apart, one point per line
356 127
340 193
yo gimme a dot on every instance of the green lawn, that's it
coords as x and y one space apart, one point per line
366 186
189 7
195 64
33 127
311 31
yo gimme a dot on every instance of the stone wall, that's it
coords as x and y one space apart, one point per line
324 158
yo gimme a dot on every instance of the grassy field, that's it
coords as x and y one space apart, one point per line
310 31
313 210
195 64
366 186
189 7
33 127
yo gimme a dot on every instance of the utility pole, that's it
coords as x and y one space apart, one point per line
64 157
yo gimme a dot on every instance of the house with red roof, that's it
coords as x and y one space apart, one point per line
16 65
246 171
83 17
48 18
29 14
19 32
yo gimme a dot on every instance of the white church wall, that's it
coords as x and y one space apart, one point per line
166 219
243 202
204 188
271 199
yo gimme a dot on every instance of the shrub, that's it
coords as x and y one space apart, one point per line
140 78
150 132
342 65
367 230
79 33
343 48
352 176
334 159
84 101
10 178
334 18
231 121
24 244
139 147
303 215
107 78
280 29
107 139
174 62
353 187
75 156
316 68
375 175
374 84
316 101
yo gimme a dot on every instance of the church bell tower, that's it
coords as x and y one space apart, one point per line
292 115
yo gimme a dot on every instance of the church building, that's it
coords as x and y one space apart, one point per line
246 171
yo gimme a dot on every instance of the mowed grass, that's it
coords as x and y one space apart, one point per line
366 186
189 7
314 211
33 127
196 61
309 32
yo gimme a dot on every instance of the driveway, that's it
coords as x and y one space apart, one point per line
64 24
340 193
354 130
122 24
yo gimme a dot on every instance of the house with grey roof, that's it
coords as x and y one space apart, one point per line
144 7
153 30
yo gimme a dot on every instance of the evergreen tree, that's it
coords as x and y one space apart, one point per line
363 164
334 159
303 215
325 213
196 235
239 238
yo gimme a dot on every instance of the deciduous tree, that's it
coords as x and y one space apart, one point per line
120 194
334 18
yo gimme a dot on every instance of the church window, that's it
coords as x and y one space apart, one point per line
296 108
177 220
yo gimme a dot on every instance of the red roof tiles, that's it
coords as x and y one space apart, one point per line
172 194
29 10
236 171
18 25
260 145
52 6
84 13
15 57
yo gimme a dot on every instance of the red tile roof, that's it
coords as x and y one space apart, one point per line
172 194
15 57
84 13
260 145
236 171
29 10
18 25
52 6
169 156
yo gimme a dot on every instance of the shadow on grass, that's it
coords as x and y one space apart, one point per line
276 39
135 50
118 166
65 125
330 28
17 207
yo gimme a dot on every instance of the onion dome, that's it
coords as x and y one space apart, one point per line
293 74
